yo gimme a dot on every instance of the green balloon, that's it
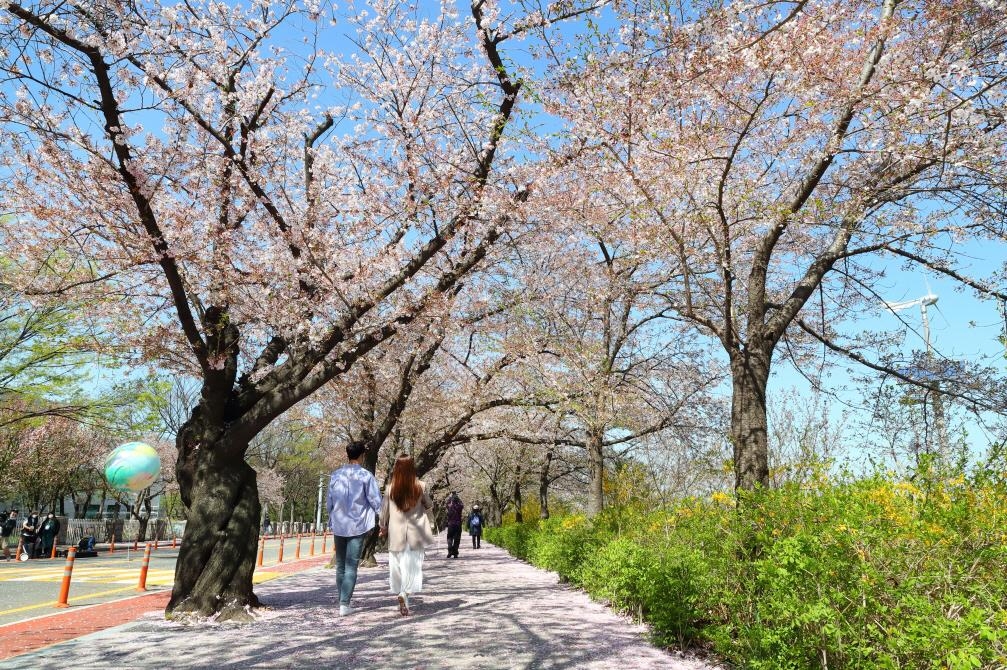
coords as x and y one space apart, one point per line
132 466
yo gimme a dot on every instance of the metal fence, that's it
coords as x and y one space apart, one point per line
292 528
120 530
72 530
127 530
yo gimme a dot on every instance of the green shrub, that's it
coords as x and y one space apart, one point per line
663 587
859 573
516 538
563 544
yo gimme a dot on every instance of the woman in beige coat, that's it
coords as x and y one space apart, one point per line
404 520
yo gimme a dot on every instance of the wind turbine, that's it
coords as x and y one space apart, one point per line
924 302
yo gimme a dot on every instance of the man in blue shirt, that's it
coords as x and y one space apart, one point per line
353 504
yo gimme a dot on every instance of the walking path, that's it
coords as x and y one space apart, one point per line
485 610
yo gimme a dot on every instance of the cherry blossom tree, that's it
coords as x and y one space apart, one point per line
427 389
778 155
51 458
598 345
263 216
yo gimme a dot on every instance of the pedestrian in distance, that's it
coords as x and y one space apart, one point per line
29 534
353 502
7 536
405 521
47 533
267 527
476 523
455 508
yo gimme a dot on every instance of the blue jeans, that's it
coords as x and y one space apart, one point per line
347 556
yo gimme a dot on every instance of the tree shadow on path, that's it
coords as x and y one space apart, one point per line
484 610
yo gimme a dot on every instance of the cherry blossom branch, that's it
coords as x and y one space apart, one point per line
955 390
730 333
764 250
113 127
939 268
545 21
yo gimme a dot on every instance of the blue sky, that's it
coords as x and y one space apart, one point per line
963 327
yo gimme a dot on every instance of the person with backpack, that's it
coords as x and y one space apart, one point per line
455 508
9 525
476 522
86 543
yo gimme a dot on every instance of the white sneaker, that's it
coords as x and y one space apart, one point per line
346 610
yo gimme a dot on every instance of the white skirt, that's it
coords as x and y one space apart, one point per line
405 571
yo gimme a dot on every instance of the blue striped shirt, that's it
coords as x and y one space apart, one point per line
354 501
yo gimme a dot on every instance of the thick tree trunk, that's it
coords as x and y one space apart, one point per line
596 487
215 564
543 487
518 503
144 520
496 507
749 377
518 500
371 543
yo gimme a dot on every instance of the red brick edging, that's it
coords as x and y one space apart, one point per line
24 636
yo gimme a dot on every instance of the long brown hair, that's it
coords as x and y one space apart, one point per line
405 488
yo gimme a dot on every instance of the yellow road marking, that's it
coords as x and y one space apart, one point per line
89 595
94 576
257 578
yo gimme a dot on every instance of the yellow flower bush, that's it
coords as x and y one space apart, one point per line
871 572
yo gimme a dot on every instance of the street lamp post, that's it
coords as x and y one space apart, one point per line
318 507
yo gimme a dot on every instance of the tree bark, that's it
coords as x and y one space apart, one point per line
144 520
215 564
749 378
370 548
543 487
596 487
496 506
80 508
518 501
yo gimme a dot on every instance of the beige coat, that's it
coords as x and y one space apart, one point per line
408 529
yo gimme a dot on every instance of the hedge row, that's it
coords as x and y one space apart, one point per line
868 573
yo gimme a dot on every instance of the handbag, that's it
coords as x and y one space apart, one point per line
428 528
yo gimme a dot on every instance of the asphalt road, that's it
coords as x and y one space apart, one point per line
30 589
